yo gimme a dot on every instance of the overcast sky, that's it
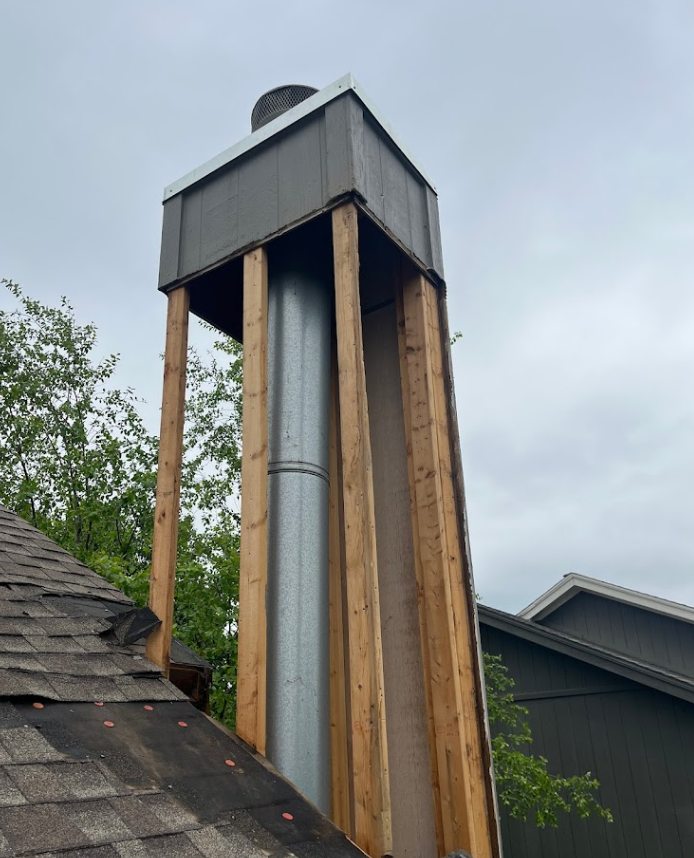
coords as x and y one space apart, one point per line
561 139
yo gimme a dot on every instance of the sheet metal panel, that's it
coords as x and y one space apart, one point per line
301 170
170 239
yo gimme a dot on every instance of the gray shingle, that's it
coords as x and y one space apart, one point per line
9 717
73 625
58 782
44 643
97 820
27 745
5 850
28 608
9 794
212 843
88 852
17 683
39 828
15 643
176 844
174 816
19 626
84 688
19 661
147 688
138 816
92 664
131 849
133 664
243 824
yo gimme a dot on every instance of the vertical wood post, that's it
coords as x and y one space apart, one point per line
252 634
339 675
448 647
369 744
165 534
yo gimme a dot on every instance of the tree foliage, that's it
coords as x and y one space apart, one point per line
77 461
523 781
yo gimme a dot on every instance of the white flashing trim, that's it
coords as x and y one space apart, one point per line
574 583
305 108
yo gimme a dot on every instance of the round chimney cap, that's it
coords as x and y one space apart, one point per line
278 100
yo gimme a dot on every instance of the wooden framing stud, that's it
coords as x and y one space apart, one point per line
372 825
252 633
168 492
448 648
341 810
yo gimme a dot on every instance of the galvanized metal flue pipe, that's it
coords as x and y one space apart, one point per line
299 331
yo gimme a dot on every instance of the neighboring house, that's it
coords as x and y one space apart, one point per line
608 677
100 757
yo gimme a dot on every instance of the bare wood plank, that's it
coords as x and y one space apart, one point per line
467 576
168 493
252 638
369 744
465 638
419 576
339 678
455 789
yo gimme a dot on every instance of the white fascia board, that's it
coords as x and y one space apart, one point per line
295 114
574 583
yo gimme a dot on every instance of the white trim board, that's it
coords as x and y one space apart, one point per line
573 583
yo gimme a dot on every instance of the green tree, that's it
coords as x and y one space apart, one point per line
523 782
77 462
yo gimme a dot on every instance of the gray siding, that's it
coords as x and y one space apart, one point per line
292 177
638 742
661 640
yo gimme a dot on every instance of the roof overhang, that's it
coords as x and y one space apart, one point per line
640 672
573 584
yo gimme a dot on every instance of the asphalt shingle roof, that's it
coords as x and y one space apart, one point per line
100 756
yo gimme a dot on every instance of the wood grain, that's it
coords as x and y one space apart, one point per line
168 492
341 810
252 635
448 644
369 744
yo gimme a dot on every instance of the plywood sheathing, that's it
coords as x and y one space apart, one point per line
252 635
165 534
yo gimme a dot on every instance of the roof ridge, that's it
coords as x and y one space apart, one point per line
573 583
